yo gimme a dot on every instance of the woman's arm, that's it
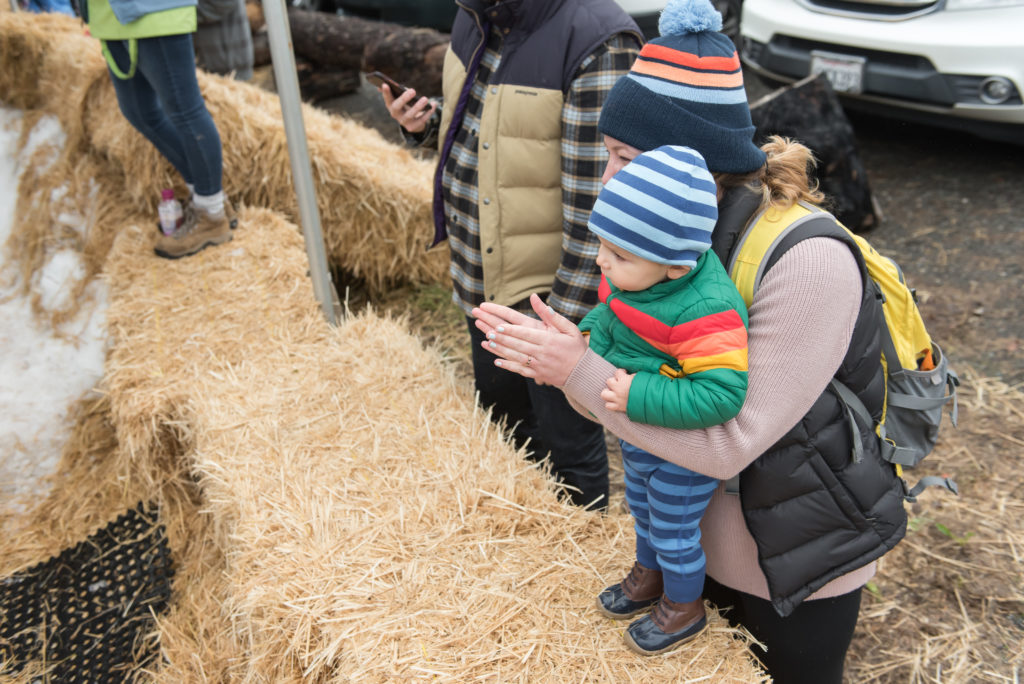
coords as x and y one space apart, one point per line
800 326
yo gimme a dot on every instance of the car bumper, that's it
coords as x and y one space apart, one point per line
931 64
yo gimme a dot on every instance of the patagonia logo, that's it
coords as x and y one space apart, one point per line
532 93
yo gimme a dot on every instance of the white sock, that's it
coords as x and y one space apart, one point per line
211 204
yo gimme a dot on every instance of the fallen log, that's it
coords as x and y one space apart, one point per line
412 56
810 112
317 85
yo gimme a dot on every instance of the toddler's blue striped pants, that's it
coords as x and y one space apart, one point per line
667 503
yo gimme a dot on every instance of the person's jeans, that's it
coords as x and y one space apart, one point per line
61 6
162 101
542 414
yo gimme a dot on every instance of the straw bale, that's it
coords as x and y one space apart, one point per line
374 197
374 523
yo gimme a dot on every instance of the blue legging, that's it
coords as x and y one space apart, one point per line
162 101
667 503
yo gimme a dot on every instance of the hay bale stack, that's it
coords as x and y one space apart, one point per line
48 63
374 197
373 523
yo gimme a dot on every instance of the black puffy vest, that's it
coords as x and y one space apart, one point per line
814 512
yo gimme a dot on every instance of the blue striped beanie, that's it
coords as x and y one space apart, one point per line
661 206
686 88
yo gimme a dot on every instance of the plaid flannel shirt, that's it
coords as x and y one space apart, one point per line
574 290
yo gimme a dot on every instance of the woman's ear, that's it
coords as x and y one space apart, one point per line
675 271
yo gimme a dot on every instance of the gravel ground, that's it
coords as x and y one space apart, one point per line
954 219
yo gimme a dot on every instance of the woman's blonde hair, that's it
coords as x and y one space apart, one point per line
785 178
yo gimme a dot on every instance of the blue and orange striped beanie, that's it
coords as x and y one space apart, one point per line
686 88
661 206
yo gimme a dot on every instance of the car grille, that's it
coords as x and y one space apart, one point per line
883 10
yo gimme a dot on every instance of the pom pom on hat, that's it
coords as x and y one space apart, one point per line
686 88
689 16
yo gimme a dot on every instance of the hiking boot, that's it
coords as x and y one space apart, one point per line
640 589
669 626
229 212
200 230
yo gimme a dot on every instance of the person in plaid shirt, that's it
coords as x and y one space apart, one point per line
519 169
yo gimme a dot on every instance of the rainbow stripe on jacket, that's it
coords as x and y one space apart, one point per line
717 340
685 341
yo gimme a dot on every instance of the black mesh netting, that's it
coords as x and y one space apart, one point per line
87 614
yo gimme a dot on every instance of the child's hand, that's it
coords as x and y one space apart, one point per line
616 394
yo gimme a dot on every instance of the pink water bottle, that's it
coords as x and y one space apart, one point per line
169 210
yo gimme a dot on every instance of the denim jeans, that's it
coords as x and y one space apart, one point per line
542 414
162 101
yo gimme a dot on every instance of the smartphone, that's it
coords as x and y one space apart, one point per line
378 79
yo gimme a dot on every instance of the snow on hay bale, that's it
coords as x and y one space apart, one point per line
338 507
374 197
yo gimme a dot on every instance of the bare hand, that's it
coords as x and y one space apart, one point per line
546 350
616 392
412 117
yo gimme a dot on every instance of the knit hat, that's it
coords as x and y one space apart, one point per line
686 88
661 206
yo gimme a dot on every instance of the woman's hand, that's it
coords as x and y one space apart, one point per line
546 350
412 117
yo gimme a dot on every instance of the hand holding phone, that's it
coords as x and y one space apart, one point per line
378 79
410 112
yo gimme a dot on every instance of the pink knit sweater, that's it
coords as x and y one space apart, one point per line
801 321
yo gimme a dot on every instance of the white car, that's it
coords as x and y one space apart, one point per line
952 63
647 12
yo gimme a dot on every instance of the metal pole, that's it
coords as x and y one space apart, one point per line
287 83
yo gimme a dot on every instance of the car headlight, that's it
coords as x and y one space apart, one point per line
981 4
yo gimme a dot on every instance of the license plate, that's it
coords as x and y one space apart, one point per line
844 72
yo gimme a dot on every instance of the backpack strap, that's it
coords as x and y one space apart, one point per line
771 233
890 452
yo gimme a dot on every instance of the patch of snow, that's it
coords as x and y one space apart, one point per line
42 371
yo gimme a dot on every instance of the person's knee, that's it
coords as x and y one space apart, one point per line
144 118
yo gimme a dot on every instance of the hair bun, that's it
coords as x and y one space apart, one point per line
681 17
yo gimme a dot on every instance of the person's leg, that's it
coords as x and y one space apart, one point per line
543 415
678 498
168 63
579 457
141 106
503 392
637 471
808 646
642 586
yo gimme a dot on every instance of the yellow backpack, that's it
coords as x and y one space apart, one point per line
919 381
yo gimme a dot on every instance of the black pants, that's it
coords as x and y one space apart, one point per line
807 646
542 414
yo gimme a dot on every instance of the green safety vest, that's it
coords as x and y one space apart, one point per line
103 24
